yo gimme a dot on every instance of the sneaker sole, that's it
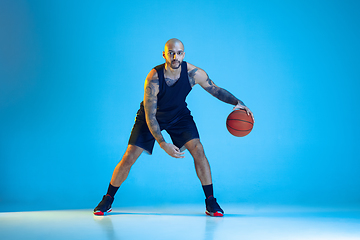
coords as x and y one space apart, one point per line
100 213
215 214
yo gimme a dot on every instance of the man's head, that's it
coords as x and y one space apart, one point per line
174 53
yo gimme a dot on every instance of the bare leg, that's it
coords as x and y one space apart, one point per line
202 166
204 173
122 169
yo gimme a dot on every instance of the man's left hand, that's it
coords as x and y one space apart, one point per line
240 106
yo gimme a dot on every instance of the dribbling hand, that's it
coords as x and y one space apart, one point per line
240 106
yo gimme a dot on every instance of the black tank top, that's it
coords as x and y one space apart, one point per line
171 103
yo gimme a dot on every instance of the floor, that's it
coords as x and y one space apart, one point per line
184 222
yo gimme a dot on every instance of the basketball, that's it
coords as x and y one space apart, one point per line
239 123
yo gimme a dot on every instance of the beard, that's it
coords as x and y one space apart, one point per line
175 64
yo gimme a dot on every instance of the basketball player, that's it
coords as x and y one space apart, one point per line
164 108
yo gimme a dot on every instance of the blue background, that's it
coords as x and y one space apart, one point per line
71 80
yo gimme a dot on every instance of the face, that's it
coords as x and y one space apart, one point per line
174 54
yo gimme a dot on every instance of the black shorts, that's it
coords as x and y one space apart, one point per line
181 130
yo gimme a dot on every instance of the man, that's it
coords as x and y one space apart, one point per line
164 108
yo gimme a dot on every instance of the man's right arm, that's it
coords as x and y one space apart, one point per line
150 105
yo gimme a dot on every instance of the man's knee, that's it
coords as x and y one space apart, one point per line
131 155
197 149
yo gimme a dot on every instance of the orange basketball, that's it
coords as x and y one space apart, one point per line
239 123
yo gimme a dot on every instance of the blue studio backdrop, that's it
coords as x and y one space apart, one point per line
71 80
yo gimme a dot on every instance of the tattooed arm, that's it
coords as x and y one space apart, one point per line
197 75
151 89
150 104
219 93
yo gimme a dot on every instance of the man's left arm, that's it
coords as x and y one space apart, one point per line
222 94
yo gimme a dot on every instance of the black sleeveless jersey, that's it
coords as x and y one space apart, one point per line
171 103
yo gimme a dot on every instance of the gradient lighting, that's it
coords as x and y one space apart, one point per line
71 81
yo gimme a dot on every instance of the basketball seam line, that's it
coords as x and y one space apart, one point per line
239 120
237 129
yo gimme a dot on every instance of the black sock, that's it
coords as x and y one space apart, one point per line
112 190
208 190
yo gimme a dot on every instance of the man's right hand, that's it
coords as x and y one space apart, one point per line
172 150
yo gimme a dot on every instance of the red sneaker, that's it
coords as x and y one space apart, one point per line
212 208
104 206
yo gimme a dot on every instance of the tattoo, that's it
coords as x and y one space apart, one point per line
150 105
221 93
170 81
192 74
150 87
